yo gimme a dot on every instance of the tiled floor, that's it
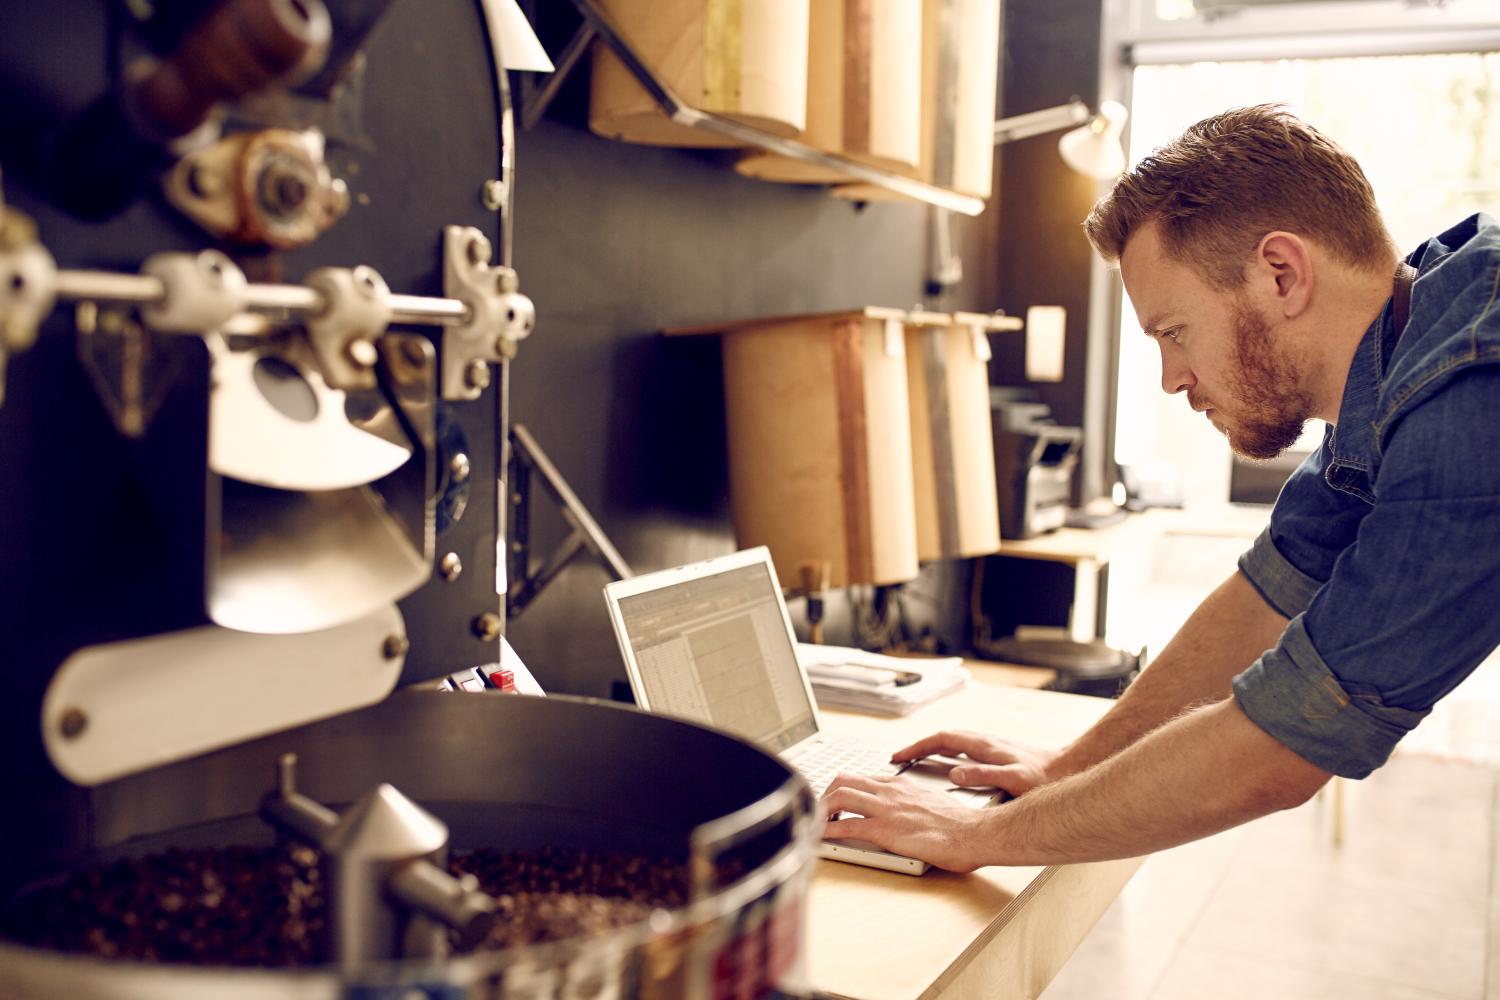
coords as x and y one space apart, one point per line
1404 909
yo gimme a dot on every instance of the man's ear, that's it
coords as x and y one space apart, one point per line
1282 273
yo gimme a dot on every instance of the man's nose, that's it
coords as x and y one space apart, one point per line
1176 376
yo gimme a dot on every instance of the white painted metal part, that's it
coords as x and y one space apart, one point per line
251 440
520 49
146 702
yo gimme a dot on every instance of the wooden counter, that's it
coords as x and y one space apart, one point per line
995 933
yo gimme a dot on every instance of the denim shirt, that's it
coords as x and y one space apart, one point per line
1384 546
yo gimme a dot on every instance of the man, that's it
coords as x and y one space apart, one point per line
1253 254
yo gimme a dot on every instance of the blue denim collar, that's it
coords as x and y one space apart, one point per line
1354 436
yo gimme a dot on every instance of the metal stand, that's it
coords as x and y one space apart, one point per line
527 458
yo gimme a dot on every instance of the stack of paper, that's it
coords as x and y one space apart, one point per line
871 682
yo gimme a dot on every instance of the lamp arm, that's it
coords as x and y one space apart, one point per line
1031 123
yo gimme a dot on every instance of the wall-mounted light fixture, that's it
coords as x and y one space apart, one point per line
1094 148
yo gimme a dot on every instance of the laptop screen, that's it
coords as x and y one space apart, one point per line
716 649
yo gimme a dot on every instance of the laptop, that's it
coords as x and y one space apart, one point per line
712 643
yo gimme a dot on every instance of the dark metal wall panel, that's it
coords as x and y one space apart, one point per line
614 243
1051 55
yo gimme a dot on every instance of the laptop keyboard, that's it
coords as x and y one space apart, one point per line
826 760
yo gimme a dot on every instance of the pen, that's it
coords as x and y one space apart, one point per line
900 678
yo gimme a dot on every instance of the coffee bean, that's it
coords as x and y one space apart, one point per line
266 907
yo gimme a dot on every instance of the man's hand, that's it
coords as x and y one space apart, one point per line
993 763
904 817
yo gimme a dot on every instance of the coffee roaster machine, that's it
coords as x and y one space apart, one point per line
257 316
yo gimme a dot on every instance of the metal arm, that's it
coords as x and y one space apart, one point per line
528 457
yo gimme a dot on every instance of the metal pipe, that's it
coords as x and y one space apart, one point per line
145 289
427 309
454 902
299 816
109 286
293 298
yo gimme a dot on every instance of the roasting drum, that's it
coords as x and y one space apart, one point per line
507 772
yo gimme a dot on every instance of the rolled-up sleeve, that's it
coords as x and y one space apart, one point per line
1410 608
1311 525
1280 584
1293 695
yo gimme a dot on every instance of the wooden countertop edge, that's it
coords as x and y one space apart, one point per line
1069 879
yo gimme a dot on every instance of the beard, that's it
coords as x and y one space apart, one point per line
1271 407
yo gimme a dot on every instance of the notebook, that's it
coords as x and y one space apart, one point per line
712 642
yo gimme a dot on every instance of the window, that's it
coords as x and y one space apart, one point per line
1426 129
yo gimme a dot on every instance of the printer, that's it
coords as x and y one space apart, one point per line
1034 462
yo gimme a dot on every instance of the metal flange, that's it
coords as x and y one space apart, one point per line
203 291
498 316
356 311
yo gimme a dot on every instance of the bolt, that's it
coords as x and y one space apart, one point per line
337 201
411 351
16 231
290 190
506 348
283 184
204 182
492 195
477 375
86 317
15 334
458 467
479 251
487 626
213 267
73 723
361 352
395 647
451 567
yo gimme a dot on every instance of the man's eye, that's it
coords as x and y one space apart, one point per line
1174 334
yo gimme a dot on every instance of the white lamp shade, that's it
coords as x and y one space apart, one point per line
1095 148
